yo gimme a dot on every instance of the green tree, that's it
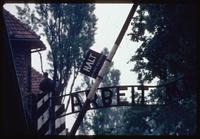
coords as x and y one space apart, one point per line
167 33
69 30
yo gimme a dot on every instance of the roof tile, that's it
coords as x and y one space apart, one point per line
19 29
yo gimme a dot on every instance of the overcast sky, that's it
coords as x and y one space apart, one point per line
111 18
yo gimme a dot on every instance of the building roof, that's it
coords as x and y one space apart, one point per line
21 33
35 82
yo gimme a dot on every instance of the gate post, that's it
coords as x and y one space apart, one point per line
52 115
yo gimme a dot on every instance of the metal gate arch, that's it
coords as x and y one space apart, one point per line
43 101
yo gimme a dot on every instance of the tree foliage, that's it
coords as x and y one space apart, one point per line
172 48
69 30
167 33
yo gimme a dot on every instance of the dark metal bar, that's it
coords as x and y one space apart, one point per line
125 26
133 95
142 100
149 86
52 116
135 105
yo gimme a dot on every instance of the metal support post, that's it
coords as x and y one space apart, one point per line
52 115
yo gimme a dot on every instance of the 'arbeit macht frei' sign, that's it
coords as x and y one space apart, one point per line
106 96
109 97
